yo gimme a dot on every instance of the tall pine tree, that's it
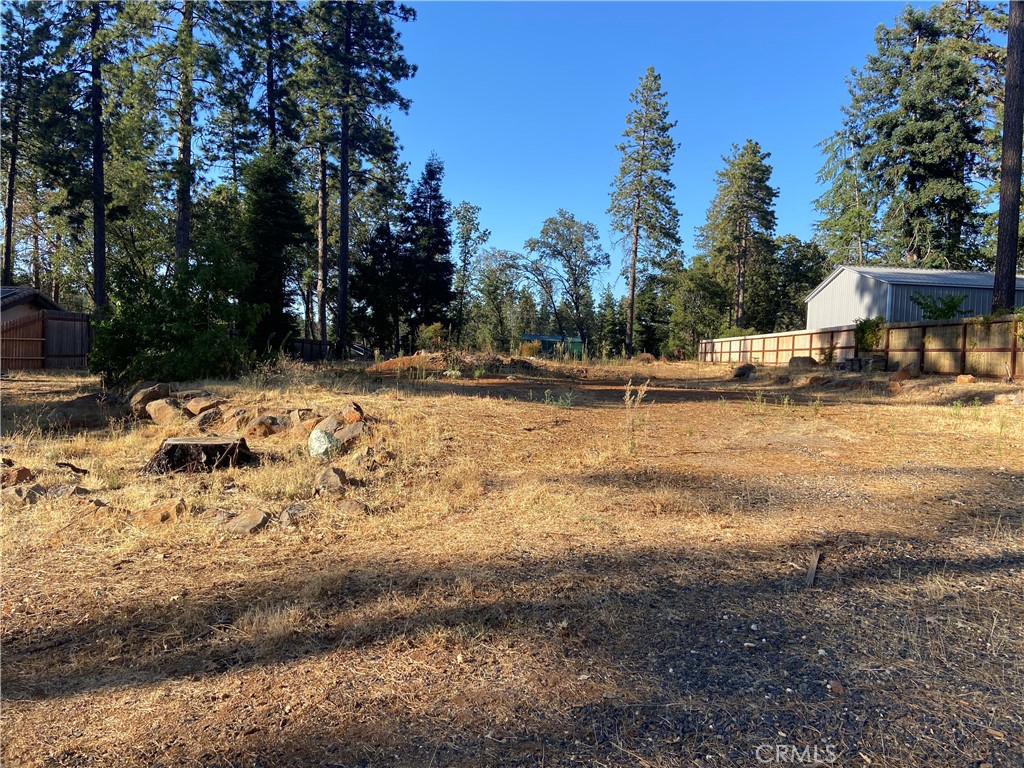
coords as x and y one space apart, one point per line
642 209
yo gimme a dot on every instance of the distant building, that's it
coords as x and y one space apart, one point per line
556 345
852 293
18 301
36 332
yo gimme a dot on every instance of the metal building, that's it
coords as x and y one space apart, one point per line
852 293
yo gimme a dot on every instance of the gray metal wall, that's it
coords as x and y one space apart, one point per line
978 301
847 299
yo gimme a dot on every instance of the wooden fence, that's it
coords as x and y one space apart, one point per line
983 347
778 348
48 339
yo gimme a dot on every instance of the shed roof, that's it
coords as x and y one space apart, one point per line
937 278
15 295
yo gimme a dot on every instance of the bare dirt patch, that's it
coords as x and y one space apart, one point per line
525 571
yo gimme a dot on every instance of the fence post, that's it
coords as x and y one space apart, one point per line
1015 341
963 346
920 364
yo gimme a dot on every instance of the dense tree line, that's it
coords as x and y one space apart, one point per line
212 179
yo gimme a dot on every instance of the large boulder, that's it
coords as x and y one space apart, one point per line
87 411
165 411
802 363
144 395
199 405
745 371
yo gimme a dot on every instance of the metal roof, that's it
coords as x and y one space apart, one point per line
15 295
937 278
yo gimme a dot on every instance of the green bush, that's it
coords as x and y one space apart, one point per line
868 333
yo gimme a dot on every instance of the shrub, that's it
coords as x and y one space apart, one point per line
868 333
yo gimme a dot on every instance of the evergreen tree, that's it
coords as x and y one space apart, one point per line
469 238
1010 244
272 223
918 119
700 303
780 282
427 236
610 335
848 209
740 221
642 208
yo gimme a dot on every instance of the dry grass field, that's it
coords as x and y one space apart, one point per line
546 572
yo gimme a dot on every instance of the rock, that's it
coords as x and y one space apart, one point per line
87 411
208 419
903 374
295 418
802 363
238 418
67 490
895 387
92 505
815 380
16 476
331 424
351 507
323 445
310 424
1008 399
914 369
965 378
145 396
163 412
330 480
293 514
348 434
199 405
164 512
352 413
646 358
187 395
22 495
745 371
264 426
250 521
875 363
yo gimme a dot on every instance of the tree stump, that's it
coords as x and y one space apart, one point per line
200 454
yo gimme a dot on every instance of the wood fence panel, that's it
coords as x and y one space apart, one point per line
982 347
21 343
67 340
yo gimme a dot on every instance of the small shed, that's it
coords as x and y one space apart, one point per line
851 293
36 332
553 344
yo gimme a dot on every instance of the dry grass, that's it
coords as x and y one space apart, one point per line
618 582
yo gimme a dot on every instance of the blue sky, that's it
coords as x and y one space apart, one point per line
525 102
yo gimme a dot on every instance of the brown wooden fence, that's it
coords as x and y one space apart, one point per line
778 348
48 339
984 347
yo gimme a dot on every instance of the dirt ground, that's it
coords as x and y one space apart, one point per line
544 568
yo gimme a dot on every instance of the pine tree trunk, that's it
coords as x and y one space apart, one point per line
12 176
99 220
741 283
633 253
1008 239
343 162
271 78
321 241
186 110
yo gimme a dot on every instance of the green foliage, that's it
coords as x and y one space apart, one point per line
271 225
643 210
565 260
867 333
740 222
779 280
185 327
939 308
699 305
919 123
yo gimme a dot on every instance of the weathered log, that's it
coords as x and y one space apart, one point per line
200 454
